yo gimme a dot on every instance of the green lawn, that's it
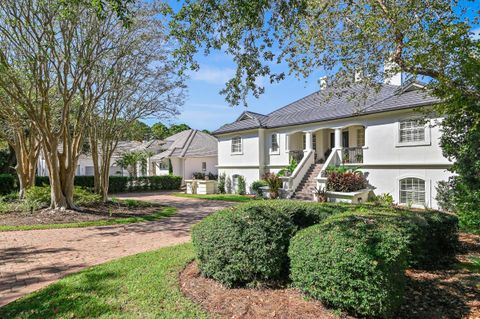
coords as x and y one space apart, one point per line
225 197
139 286
165 212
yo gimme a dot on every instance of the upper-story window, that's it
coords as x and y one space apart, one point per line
412 131
412 191
236 145
204 166
274 143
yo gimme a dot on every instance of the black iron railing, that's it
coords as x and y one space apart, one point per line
353 155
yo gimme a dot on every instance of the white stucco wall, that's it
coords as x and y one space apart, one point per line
384 158
250 175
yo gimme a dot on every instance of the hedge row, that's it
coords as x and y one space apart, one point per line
353 257
118 184
7 183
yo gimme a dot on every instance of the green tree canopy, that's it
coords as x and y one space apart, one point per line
424 38
160 131
138 131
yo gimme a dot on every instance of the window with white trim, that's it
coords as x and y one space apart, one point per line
236 145
360 137
314 141
304 141
412 131
204 166
412 191
274 143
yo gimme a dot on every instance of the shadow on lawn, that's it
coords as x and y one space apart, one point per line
76 297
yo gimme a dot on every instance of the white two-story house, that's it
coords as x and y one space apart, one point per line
395 145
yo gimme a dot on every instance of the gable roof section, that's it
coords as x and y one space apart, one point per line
328 104
189 143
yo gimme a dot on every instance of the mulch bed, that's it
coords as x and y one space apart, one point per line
99 211
449 293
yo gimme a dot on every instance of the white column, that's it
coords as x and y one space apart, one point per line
308 141
338 138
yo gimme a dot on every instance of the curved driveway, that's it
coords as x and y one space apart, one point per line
30 260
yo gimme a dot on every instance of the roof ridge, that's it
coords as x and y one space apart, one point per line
188 142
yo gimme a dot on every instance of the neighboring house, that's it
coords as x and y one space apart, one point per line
382 135
85 162
189 151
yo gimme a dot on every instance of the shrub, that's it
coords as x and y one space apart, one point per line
117 184
221 183
42 180
256 187
241 185
244 245
198 175
384 199
346 182
84 181
351 262
274 184
39 196
228 185
289 169
7 184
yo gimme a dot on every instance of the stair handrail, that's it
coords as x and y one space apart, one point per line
291 182
333 158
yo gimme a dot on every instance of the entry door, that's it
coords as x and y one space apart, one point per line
345 139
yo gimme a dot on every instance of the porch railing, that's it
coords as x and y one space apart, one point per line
352 155
297 155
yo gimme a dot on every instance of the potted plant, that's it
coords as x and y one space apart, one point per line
320 195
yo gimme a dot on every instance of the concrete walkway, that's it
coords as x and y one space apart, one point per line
30 260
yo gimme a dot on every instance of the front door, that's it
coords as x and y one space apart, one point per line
345 139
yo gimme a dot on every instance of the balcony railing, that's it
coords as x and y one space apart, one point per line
352 155
296 155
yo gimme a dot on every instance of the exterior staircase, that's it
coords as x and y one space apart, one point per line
306 187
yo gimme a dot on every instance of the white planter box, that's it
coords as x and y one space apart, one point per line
265 192
201 187
357 197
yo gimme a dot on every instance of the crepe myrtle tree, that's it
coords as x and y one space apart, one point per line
51 52
21 136
141 81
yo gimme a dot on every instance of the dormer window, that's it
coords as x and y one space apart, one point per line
236 145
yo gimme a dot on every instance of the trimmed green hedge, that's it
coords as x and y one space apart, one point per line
122 184
7 184
351 262
244 246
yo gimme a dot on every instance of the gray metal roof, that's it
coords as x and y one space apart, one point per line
330 104
189 143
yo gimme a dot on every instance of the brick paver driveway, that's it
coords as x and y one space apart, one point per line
33 259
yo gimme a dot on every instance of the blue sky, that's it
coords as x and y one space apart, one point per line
205 107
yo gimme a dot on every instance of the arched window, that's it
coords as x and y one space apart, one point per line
412 191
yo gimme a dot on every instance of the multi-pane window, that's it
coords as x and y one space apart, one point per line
412 191
361 137
237 144
412 131
304 141
274 143
204 166
314 141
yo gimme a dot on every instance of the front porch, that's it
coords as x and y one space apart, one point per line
348 141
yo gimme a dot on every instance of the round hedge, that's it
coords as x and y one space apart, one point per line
351 262
244 246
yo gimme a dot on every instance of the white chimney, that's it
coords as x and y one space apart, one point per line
358 76
392 75
323 82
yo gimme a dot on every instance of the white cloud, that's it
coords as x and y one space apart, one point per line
213 75
476 33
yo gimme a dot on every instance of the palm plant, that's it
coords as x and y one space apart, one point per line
274 184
